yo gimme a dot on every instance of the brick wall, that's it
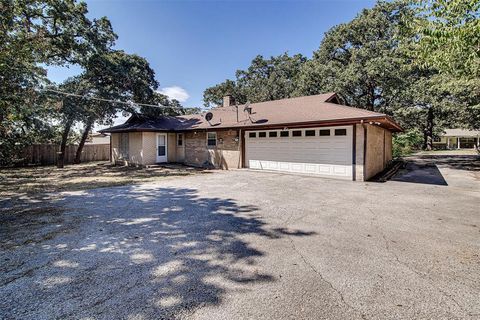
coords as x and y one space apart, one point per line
225 155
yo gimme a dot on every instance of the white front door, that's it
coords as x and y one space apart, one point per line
162 147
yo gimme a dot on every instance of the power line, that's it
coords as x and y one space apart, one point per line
130 103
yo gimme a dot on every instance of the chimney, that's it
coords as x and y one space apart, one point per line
228 101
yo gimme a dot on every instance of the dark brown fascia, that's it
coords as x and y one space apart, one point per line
384 121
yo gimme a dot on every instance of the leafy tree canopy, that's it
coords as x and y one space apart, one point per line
265 79
34 34
360 59
446 35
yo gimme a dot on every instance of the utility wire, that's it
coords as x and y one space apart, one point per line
130 103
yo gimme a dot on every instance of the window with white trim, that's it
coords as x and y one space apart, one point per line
211 139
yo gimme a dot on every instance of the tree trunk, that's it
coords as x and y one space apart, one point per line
429 130
63 144
88 127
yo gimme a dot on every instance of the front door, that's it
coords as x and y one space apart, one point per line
162 147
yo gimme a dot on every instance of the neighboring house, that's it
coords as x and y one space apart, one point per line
98 138
311 135
457 139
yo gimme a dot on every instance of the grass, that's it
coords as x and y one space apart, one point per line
32 180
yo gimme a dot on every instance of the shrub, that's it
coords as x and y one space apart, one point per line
405 143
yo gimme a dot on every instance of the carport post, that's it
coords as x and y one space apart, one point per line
458 142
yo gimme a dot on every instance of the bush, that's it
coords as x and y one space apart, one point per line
405 143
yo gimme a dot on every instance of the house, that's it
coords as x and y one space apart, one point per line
457 139
314 135
98 138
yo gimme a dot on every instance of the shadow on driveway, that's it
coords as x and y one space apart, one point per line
129 252
424 168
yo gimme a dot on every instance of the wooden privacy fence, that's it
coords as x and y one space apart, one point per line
47 154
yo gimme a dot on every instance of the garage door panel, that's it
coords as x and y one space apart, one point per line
326 155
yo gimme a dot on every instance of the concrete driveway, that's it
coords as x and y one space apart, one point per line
249 245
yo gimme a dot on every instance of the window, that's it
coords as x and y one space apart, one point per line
123 146
211 139
309 133
252 134
262 134
324 132
437 139
284 133
180 139
272 134
296 133
340 132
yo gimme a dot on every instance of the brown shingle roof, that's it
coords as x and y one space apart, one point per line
301 110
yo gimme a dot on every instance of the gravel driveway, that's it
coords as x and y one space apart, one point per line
248 245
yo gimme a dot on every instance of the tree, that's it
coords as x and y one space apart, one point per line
264 80
360 60
34 34
115 75
425 106
446 35
213 96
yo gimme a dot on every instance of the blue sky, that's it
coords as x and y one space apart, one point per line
193 45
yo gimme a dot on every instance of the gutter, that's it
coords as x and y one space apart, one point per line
332 122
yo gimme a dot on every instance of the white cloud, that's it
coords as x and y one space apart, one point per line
175 92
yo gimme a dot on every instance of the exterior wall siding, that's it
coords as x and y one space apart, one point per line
225 155
359 152
114 147
172 147
388 146
377 152
149 148
135 152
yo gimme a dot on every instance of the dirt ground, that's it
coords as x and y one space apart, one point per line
32 180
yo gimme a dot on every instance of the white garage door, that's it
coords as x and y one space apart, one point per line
322 151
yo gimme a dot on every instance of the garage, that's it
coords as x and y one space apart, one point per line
323 151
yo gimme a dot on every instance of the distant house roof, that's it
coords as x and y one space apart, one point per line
460 133
316 109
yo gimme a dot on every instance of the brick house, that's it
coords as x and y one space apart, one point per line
313 135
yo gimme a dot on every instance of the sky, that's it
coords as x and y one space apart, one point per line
193 44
